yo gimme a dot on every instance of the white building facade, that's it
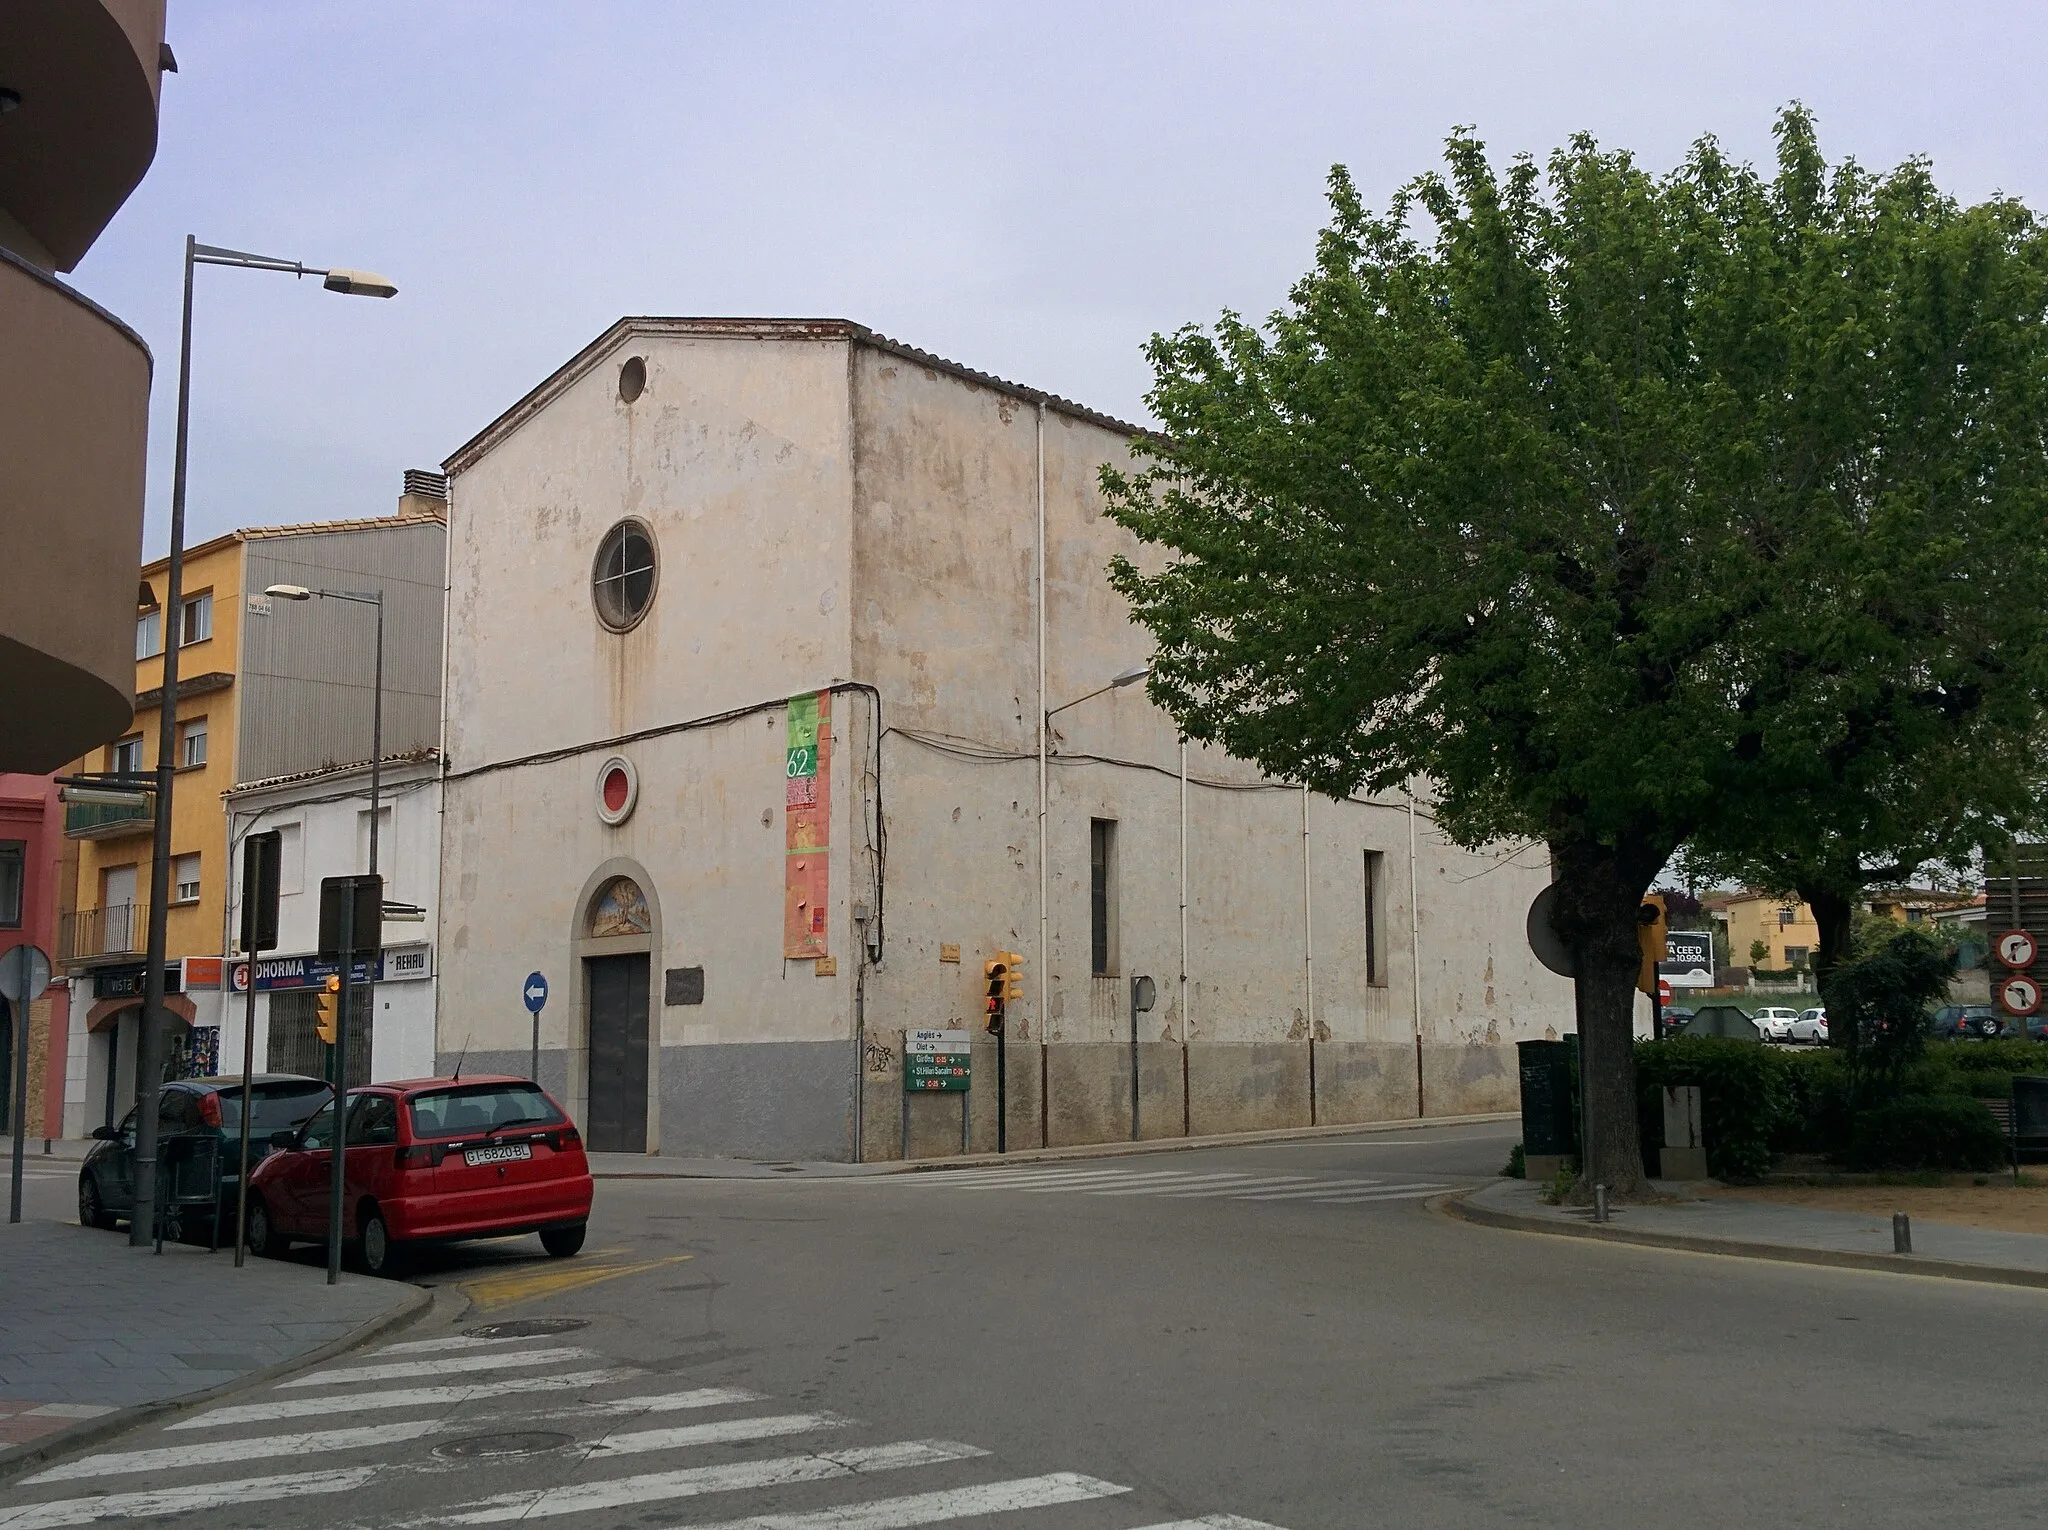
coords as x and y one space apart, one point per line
324 820
751 628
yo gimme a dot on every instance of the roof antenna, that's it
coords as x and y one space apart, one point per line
458 1058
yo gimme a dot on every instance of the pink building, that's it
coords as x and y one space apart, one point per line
32 858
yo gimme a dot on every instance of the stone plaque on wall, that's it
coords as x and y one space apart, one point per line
683 985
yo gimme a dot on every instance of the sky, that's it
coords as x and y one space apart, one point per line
1029 190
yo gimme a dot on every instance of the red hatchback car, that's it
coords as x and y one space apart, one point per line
429 1160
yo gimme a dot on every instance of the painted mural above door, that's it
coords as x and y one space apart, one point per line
620 909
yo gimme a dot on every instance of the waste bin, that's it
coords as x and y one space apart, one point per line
2030 1115
1550 1106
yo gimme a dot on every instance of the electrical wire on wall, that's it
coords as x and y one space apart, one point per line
974 749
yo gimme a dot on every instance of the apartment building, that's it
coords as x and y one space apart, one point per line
267 689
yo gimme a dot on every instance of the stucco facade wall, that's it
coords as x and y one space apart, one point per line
325 820
832 513
736 457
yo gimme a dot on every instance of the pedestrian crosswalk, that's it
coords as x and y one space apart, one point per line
1179 1184
440 1432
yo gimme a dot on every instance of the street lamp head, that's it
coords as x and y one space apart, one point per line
360 283
1131 676
290 592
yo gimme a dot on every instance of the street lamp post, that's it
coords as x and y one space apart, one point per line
149 1061
345 1011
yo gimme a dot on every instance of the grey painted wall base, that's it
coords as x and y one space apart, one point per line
794 1100
780 1100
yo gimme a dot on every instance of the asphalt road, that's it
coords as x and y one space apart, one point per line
1282 1333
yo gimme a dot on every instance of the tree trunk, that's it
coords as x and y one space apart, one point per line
1599 891
1834 911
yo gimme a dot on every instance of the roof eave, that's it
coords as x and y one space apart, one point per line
846 331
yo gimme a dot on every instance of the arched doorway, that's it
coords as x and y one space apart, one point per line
617 920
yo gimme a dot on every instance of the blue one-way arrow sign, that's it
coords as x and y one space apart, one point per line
536 991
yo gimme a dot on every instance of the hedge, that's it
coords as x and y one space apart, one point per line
1745 1097
1939 1131
1758 1102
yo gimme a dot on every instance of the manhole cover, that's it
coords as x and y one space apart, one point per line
526 1328
519 1443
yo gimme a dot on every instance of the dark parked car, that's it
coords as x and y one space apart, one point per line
189 1112
2036 1028
1963 1022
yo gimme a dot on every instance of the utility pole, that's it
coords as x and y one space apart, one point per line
149 1044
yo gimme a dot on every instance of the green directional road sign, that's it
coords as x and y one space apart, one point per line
937 1062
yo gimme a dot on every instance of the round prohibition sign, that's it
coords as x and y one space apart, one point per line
2016 948
2020 994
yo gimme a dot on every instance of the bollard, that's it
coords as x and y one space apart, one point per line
1902 1233
1599 1203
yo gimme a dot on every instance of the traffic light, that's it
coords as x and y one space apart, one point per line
1013 976
995 978
327 1009
1650 936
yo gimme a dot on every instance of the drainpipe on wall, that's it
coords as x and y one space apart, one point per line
1187 1019
1415 952
1308 954
1044 884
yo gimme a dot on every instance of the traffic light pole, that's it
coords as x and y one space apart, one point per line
339 1147
248 1110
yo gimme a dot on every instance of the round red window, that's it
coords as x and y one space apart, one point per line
618 788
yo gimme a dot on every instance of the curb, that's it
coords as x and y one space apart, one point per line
1088 1150
17 1459
1459 1206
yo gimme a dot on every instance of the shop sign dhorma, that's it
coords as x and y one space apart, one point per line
280 973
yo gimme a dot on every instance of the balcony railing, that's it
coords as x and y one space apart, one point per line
103 934
106 820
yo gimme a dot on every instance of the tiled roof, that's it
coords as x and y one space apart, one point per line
270 783
366 523
303 528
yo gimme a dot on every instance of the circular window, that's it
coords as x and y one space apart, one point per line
618 789
632 379
622 579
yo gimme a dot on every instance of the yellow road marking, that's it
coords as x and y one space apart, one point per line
490 1292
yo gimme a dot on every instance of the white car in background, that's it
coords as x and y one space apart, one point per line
1812 1025
1776 1022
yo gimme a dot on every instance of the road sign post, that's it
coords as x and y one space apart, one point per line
262 865
2016 949
535 992
937 1062
351 925
24 974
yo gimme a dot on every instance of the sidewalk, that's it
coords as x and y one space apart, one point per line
95 1336
654 1166
1760 1230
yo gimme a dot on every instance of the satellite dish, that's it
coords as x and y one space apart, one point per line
1544 940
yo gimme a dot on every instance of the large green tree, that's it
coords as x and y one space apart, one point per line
1604 501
